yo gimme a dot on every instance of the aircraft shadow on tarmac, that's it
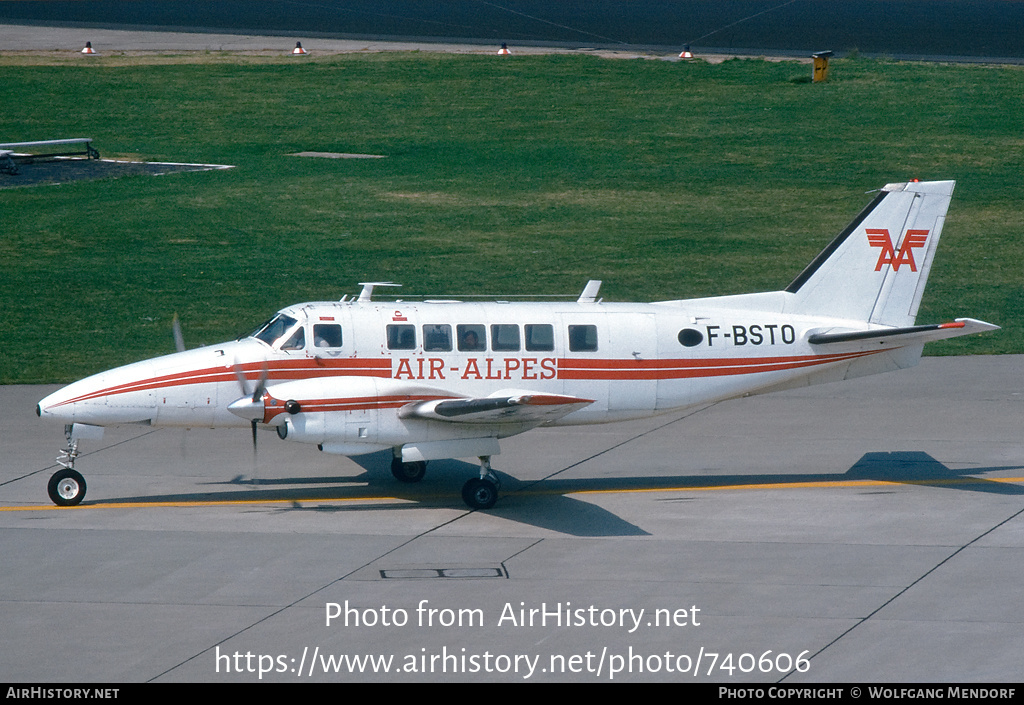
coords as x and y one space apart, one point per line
545 504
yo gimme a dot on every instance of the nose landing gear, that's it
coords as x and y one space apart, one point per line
67 486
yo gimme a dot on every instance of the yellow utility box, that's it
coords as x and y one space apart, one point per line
821 65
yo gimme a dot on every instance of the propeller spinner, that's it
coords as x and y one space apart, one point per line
250 406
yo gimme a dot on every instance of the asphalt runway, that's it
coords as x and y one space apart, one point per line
867 531
28 40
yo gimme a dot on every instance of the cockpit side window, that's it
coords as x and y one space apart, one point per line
296 341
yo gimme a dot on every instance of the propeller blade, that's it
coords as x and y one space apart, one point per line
179 339
250 406
242 381
255 460
261 385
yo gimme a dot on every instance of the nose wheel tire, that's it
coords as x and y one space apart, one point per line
66 488
479 493
408 472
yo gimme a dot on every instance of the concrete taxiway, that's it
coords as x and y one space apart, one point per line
866 531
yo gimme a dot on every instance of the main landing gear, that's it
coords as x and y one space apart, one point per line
478 493
408 472
482 492
67 486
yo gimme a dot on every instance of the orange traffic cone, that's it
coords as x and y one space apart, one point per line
686 53
504 50
88 48
298 49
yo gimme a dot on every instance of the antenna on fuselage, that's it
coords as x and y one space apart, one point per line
589 294
367 291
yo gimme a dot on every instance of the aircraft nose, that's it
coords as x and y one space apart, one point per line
87 402
56 406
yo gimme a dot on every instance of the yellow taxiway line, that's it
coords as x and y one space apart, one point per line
815 484
820 484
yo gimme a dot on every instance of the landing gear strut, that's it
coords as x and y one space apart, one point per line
482 492
67 487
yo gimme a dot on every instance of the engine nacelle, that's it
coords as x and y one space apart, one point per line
345 415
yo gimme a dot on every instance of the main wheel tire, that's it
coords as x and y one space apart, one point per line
408 472
479 494
66 488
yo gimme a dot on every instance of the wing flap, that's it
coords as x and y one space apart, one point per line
505 406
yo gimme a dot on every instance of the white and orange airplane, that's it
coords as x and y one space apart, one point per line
449 379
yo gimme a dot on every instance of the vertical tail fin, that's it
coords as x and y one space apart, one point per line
876 269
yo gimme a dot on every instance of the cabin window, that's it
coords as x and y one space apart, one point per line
540 337
690 337
582 338
401 337
437 338
472 338
505 337
327 335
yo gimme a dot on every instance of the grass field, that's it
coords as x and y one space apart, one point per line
527 175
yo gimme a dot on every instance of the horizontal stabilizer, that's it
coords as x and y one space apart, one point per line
506 406
876 338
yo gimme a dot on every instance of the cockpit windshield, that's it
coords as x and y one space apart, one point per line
275 329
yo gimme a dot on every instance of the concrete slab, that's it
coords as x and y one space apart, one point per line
875 527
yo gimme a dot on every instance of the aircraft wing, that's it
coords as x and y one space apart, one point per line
880 338
505 406
342 394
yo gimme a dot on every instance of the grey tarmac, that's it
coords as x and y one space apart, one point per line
874 527
27 39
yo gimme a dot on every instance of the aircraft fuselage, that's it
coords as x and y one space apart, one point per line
632 360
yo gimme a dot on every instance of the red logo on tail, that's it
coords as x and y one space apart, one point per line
879 237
